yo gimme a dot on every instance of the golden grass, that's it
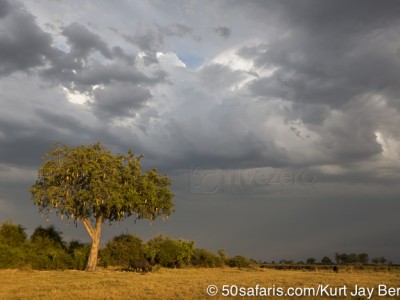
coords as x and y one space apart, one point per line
171 283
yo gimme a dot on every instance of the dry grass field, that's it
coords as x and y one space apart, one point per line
176 283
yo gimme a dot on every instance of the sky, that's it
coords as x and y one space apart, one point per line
276 120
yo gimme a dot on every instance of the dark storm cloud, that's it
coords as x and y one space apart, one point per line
76 70
120 100
314 114
338 17
24 143
120 53
331 53
5 8
223 31
22 137
83 41
23 45
315 87
150 41
97 73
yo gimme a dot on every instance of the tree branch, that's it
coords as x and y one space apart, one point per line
88 226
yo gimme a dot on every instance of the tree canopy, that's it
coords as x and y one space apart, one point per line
88 183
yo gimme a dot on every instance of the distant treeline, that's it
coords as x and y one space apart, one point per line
45 249
340 259
362 258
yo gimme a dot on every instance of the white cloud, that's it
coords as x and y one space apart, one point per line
77 97
169 59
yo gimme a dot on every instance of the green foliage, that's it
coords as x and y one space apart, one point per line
169 252
74 245
48 258
311 260
343 258
89 181
121 250
326 260
79 257
90 184
379 260
222 255
12 257
79 253
46 250
13 235
205 258
49 235
363 258
239 262
12 246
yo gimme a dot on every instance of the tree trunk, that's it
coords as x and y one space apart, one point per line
95 234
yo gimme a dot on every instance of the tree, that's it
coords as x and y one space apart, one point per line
222 255
12 234
379 260
326 260
363 258
311 260
91 184
337 257
48 235
46 250
12 246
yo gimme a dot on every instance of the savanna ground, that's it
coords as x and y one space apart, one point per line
176 283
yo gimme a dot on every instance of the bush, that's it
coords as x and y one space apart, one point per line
121 250
12 257
311 260
47 236
45 257
13 235
47 251
79 253
326 260
12 246
168 252
205 258
239 262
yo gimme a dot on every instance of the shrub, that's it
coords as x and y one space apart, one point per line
326 260
205 258
46 250
12 257
311 260
239 262
169 252
13 235
47 236
46 257
12 246
122 249
79 253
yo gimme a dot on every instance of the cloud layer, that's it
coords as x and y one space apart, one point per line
278 86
